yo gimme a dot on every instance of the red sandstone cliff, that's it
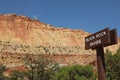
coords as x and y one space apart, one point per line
21 34
25 29
17 30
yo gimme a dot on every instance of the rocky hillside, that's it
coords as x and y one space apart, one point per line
24 34
21 35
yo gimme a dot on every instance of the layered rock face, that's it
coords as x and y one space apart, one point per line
24 34
21 35
33 35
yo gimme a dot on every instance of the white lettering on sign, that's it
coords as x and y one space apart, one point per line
96 36
100 34
95 42
90 38
100 38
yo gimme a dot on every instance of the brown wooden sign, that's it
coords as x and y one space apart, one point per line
97 41
113 37
103 38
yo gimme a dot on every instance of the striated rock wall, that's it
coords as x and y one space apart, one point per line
20 30
21 35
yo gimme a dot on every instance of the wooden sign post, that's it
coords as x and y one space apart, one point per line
98 41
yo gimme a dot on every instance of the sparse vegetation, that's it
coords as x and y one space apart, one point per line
44 69
7 46
40 68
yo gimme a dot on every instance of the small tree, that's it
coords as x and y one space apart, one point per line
41 68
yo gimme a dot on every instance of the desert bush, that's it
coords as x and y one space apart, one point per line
41 68
113 65
76 72
17 75
2 69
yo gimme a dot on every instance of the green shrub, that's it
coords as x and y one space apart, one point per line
41 68
113 65
2 69
76 72
17 75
